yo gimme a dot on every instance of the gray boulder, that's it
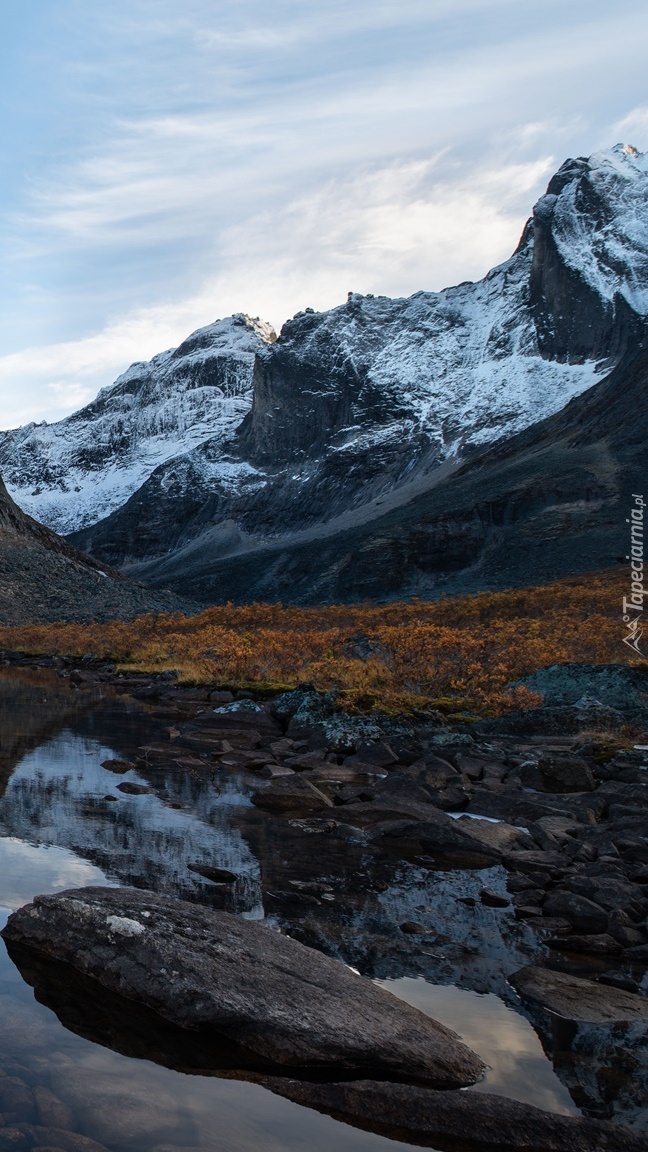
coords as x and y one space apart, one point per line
578 999
290 1006
566 774
583 914
581 685
291 795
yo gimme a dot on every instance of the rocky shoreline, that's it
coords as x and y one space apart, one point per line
552 800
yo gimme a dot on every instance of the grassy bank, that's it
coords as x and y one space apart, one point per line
458 653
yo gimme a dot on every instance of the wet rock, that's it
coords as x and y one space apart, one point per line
583 914
531 896
118 766
131 789
556 831
577 999
553 924
337 774
376 753
22 1030
410 829
598 945
466 1121
493 899
619 980
551 864
472 766
243 761
438 785
291 795
442 844
566 774
282 747
518 882
274 771
305 760
59 1140
452 799
220 697
621 928
286 1004
518 807
499 836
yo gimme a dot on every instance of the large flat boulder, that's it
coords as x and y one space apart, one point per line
210 971
457 1121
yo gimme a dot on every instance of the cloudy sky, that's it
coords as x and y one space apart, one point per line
168 163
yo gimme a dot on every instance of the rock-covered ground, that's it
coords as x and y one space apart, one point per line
43 577
538 820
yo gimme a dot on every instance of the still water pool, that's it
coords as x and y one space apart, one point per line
64 823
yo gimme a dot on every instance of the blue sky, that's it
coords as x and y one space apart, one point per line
165 164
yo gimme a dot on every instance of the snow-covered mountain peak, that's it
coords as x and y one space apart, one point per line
237 426
597 212
72 473
235 336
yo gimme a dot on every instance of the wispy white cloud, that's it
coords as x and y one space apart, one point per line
632 128
391 230
189 162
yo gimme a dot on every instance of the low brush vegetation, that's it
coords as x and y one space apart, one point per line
457 655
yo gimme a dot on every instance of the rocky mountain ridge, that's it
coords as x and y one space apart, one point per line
352 414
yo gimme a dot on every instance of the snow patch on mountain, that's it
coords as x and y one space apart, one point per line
607 244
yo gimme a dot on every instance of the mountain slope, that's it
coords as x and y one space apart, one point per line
43 577
551 501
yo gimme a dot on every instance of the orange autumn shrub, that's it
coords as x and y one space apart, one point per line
462 651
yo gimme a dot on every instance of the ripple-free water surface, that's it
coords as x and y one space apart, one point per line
64 823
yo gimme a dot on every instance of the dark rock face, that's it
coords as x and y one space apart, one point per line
547 502
287 1004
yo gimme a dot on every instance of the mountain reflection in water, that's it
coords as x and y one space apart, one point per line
65 823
